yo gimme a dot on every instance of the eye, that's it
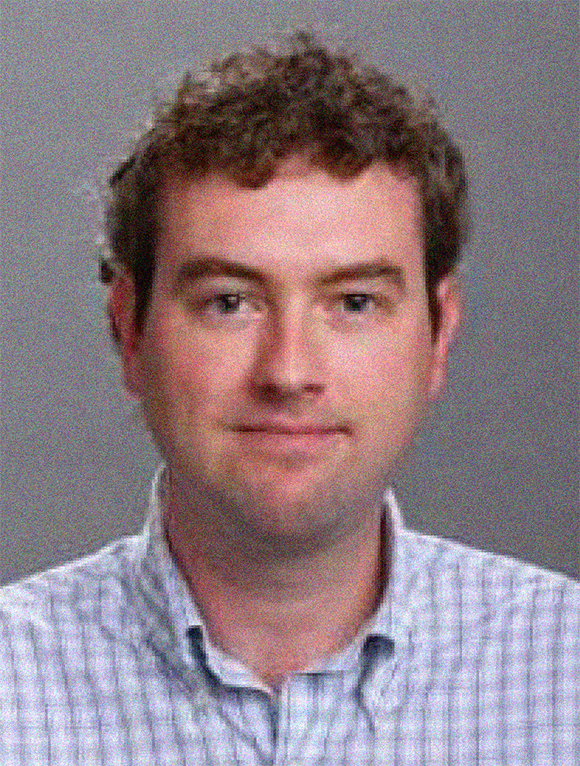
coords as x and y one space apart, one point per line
360 310
357 303
225 303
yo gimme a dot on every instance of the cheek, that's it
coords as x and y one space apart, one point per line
385 372
192 373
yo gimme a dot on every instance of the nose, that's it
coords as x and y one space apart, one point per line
289 361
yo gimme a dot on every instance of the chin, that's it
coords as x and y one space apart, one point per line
307 519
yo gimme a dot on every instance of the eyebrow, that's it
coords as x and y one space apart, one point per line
211 266
378 269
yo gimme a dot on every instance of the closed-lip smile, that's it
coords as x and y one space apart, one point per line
290 429
305 438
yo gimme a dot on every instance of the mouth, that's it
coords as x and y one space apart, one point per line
291 436
291 430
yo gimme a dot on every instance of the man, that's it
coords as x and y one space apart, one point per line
283 295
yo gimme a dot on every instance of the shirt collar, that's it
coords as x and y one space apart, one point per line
168 609
170 614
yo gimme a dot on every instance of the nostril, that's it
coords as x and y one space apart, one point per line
288 395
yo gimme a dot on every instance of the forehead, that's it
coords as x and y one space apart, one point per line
302 219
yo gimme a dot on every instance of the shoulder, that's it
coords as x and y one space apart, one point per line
94 590
457 590
486 656
440 554
73 651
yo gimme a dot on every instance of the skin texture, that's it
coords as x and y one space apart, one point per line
283 369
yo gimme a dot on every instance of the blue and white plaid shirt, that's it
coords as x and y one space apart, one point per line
470 659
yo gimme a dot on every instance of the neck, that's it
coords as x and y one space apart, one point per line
281 616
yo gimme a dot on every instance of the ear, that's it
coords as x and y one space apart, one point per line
450 301
121 309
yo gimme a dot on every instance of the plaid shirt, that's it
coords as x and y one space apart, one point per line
470 659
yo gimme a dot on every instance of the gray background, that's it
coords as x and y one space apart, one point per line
498 465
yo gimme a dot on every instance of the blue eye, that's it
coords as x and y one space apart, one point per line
357 303
227 303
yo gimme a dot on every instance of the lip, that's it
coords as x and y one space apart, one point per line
291 429
305 439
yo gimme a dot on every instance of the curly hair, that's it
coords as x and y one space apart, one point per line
256 108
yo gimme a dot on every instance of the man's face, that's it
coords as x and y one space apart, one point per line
287 355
